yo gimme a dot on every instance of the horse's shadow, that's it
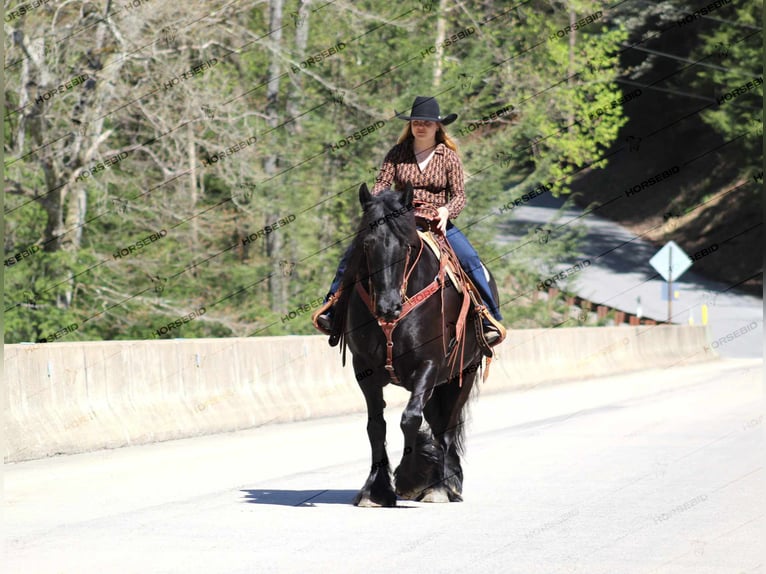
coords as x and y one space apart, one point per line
301 498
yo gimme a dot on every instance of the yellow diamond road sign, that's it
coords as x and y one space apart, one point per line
670 261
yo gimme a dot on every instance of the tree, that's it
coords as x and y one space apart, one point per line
732 48
200 179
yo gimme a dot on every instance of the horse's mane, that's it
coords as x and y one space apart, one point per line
373 223
385 214
389 203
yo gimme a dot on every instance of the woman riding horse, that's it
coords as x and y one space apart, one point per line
406 324
426 158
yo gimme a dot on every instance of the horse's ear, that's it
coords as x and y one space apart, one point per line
408 195
365 197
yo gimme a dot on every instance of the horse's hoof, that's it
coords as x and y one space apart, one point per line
366 501
408 494
435 495
455 496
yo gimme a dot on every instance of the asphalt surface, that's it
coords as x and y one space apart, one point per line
619 274
658 471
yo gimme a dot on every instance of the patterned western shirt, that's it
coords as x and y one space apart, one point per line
440 184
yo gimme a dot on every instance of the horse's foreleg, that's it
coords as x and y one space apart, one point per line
377 490
421 461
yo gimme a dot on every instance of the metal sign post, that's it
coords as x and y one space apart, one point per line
670 285
662 261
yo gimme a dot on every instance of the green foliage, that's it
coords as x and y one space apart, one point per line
202 203
521 266
734 76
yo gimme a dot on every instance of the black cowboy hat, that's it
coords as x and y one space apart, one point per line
427 108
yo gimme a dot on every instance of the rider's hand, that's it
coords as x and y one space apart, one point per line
443 218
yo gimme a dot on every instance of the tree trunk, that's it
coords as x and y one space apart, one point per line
441 32
190 150
32 123
274 241
301 21
570 71
74 197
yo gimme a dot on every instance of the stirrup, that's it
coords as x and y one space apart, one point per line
491 334
495 326
322 324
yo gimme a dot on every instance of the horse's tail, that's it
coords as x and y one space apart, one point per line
450 403
463 414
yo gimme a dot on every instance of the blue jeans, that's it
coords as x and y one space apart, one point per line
468 258
471 264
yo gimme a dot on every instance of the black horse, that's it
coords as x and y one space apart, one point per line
388 254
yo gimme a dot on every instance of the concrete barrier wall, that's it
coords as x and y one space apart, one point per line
75 397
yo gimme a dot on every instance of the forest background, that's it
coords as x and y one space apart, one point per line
193 172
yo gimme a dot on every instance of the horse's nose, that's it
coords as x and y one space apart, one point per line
391 316
390 312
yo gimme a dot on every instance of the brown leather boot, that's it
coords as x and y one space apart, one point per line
494 332
325 320
491 333
322 317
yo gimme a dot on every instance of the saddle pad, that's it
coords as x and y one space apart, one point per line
428 239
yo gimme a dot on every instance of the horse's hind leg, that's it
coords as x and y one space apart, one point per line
377 490
444 412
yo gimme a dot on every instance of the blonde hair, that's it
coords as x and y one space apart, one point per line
441 136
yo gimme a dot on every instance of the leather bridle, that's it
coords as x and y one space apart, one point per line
409 304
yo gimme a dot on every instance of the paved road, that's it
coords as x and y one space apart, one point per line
620 273
651 472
